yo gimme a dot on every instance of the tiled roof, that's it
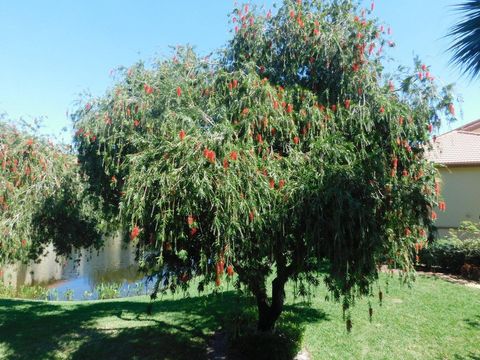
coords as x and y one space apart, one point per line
458 147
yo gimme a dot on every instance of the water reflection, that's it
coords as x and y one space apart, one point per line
82 272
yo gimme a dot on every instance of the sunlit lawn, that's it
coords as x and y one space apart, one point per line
433 320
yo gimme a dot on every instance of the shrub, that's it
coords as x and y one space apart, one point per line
459 252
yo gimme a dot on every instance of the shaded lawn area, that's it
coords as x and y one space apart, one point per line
433 320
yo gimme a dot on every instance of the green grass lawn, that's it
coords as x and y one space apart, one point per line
433 320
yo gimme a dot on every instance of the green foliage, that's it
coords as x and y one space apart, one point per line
464 35
290 149
452 252
41 197
35 292
108 291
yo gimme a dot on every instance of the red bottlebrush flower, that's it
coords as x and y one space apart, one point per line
393 172
269 14
347 104
113 179
355 67
356 18
420 76
251 215
275 104
225 163
245 111
148 89
316 31
281 183
389 31
427 75
235 83
220 267
93 138
394 162
424 67
382 110
259 139
218 282
371 48
359 35
179 91
296 140
193 231
408 232
284 104
236 29
289 108
190 220
88 106
442 206
430 127
437 188
372 6
334 108
182 135
273 131
360 91
434 215
400 120
230 271
390 86
134 233
422 232
233 155
405 173
24 242
29 142
136 123
292 14
251 21
300 22
272 184
451 109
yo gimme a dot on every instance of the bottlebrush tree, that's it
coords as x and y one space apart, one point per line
41 197
290 152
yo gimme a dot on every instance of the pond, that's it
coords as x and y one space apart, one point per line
88 274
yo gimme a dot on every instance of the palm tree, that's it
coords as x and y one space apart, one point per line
466 39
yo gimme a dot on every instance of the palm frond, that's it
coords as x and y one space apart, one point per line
466 39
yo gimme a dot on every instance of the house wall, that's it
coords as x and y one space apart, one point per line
460 188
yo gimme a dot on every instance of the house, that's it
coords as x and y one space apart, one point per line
457 155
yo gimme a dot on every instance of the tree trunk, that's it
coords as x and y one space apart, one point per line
268 314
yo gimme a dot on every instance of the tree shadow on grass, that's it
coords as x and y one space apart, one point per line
474 323
283 344
470 356
122 329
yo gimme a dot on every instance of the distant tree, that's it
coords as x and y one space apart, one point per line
290 153
41 197
466 38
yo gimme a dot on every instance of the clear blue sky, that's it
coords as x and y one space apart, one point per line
53 50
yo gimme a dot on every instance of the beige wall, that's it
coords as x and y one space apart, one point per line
460 188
